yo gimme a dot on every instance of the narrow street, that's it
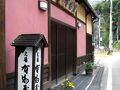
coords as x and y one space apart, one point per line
116 72
110 79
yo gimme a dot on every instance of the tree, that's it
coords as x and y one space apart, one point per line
103 9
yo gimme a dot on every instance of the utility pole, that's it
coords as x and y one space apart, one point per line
99 30
110 33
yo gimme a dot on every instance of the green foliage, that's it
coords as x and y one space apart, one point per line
90 65
103 9
105 37
116 45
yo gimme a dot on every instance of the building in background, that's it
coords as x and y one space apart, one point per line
67 27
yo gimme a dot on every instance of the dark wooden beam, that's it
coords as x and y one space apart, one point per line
79 1
2 46
87 13
49 42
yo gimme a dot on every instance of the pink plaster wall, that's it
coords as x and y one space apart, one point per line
81 40
23 17
62 16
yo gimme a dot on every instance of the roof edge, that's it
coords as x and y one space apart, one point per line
89 7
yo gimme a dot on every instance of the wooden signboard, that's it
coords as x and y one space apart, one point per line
69 5
29 61
25 70
29 69
38 69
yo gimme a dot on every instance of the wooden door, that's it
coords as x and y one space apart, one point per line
54 50
62 50
69 50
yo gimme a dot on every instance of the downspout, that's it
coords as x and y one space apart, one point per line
94 21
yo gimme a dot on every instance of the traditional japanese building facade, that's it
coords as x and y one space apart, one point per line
69 46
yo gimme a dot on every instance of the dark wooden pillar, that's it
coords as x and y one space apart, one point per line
2 46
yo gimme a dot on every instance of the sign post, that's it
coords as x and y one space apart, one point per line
29 58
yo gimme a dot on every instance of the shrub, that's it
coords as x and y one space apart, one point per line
90 65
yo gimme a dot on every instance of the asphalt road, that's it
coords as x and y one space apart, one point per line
111 75
116 72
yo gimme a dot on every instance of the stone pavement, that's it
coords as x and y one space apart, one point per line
95 85
83 82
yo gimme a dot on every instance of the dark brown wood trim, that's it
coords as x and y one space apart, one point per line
86 28
81 21
80 1
82 59
89 34
55 20
60 7
57 58
65 59
84 55
2 46
46 65
86 7
74 69
16 69
80 63
49 40
10 75
33 67
86 16
81 56
42 66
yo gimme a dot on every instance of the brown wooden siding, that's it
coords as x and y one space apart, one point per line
89 48
61 53
82 60
54 50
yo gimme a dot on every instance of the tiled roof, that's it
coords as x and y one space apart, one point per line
30 40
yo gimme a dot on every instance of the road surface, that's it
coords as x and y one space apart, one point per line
111 75
116 72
